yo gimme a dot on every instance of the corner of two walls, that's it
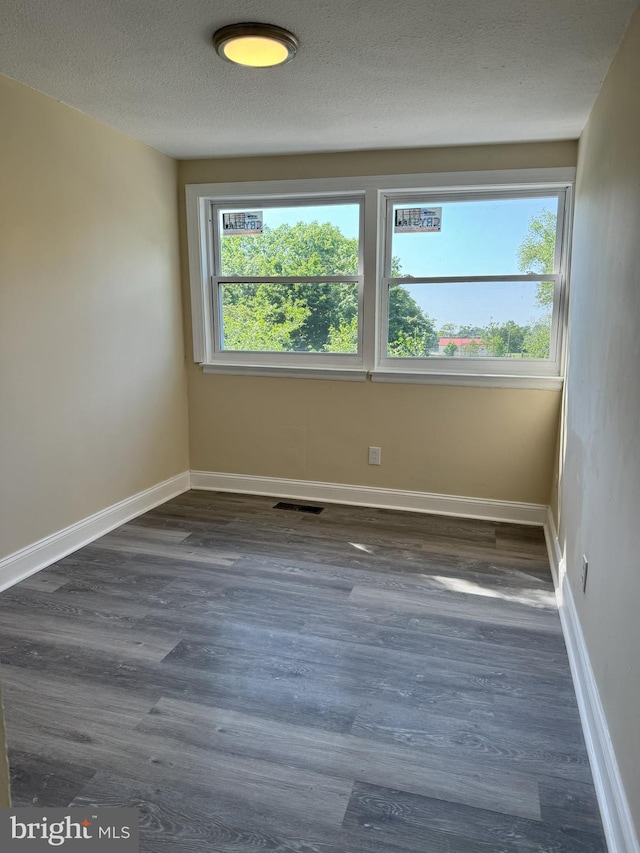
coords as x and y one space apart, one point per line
485 443
93 378
96 400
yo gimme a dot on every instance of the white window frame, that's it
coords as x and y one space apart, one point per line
296 360
476 364
371 361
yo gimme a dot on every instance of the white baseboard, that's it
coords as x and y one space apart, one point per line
614 805
490 510
27 561
553 550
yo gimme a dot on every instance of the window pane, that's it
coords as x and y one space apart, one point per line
489 319
269 317
319 240
484 237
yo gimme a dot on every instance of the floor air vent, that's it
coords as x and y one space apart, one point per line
314 510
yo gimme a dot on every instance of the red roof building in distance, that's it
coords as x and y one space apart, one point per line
459 342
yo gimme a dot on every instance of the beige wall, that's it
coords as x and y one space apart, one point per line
409 161
600 484
485 443
92 378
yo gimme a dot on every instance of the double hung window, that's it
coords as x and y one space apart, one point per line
287 281
484 268
375 276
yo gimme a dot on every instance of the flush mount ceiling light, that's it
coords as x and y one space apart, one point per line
257 45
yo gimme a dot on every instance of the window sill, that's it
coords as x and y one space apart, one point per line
344 374
477 380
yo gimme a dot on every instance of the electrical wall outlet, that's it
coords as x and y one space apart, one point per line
584 573
375 456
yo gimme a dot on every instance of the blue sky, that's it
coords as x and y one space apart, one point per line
477 238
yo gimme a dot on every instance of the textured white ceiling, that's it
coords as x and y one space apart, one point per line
369 74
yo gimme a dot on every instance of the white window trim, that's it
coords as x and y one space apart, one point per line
376 190
287 360
479 365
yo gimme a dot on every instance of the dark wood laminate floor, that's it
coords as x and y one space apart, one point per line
359 681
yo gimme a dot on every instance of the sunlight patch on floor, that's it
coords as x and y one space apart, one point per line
533 597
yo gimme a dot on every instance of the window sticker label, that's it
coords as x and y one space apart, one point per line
242 222
411 220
